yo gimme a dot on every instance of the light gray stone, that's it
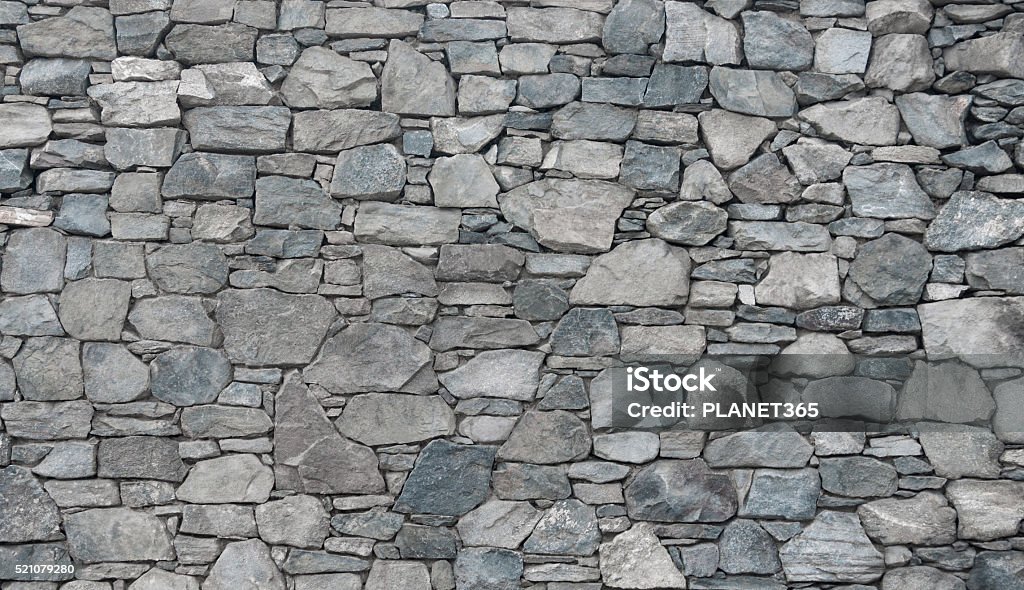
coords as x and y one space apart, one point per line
608 280
411 84
323 79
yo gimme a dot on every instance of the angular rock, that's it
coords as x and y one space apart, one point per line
327 132
815 162
925 519
412 84
636 559
200 175
24 124
782 493
190 375
858 477
891 270
48 369
746 548
900 62
158 579
526 442
671 85
781 448
373 22
117 534
498 523
586 332
248 130
995 54
381 418
733 138
680 491
691 34
487 567
298 521
510 374
300 323
309 454
288 202
581 120
752 92
14 171
55 77
33 261
138 104
372 357
842 51
615 278
222 223
972 220
765 180
997 569
228 479
870 120
568 215
140 457
48 420
213 421
554 25
191 268
83 32
987 510
323 79
400 225
245 560
957 450
833 548
463 180
408 575
448 479
95 309
197 44
800 281
26 511
773 235
775 43
632 26
128 148
32 315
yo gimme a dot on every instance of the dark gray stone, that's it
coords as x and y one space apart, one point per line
211 176
586 332
448 479
680 491
188 376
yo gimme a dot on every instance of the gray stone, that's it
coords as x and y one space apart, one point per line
580 120
245 129
47 420
891 270
569 527
374 525
671 85
291 202
554 25
481 95
28 513
158 579
213 421
366 350
995 54
692 34
487 567
900 62
925 519
32 315
776 43
636 559
514 374
379 418
632 26
140 34
987 158
814 162
24 124
137 104
568 215
961 451
586 332
997 569
869 120
584 158
465 135
407 575
373 22
323 79
782 493
84 32
498 523
986 510
781 447
301 322
298 521
858 477
189 375
222 223
388 271
95 309
732 138
399 225
614 278
526 442
117 534
886 191
247 561
548 90
83 214
369 172
200 175
327 132
536 300
935 121
463 180
650 168
196 44
765 180
752 92
411 84
972 220
228 479
680 491
448 479
48 369
33 261
188 268
833 548
14 171
55 77
140 457
842 51
947 392
235 84
921 578
426 542
127 148
746 548
773 235
310 455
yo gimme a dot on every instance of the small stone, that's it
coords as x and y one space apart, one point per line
498 523
986 510
188 268
765 180
222 223
140 457
513 373
366 348
196 44
936 121
24 124
290 202
891 270
686 223
55 77
672 85
407 575
782 493
746 548
398 225
819 284
886 191
554 25
33 261
995 54
525 444
972 220
733 138
632 26
752 92
138 104
245 129
28 513
900 62
859 477
95 309
189 375
245 560
376 419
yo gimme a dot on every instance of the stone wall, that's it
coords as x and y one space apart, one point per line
318 295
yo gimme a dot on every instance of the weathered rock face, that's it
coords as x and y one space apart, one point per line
304 294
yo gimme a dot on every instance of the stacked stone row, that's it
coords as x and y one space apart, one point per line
327 294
